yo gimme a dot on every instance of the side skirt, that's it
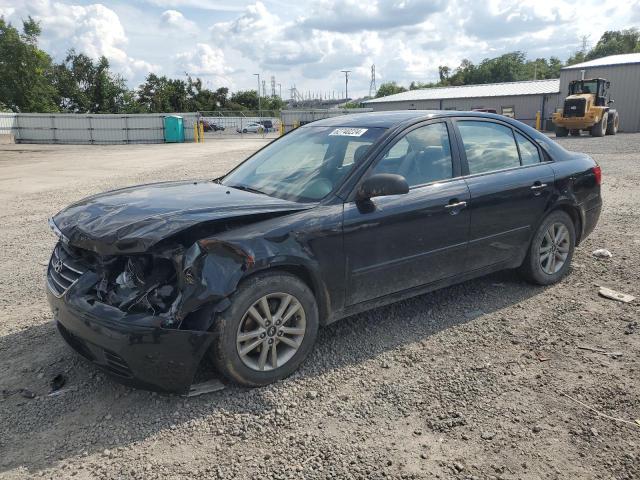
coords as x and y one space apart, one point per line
416 291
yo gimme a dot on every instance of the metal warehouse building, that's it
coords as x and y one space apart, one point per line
623 71
520 100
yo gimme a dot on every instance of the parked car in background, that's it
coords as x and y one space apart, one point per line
337 217
252 127
208 126
267 124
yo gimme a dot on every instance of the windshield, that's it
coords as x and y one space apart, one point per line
585 87
305 165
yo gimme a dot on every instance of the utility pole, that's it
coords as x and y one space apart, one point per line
346 84
372 86
280 88
585 43
258 92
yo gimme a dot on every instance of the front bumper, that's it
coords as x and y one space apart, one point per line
574 123
130 348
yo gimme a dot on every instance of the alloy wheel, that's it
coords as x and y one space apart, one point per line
271 331
554 248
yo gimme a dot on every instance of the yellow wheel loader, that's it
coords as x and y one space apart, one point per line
588 107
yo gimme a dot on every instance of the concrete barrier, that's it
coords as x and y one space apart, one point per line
7 139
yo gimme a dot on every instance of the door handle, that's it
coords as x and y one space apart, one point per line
538 186
456 205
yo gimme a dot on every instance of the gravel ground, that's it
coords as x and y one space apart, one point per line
486 379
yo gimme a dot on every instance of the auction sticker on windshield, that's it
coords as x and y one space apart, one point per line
349 132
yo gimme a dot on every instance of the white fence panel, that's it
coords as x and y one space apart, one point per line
70 128
7 123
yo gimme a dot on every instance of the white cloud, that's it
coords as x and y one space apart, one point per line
203 60
91 29
6 11
265 38
503 20
355 15
176 20
229 6
306 43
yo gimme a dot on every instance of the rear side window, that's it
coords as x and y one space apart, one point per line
489 146
528 151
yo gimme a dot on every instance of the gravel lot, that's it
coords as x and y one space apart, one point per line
482 380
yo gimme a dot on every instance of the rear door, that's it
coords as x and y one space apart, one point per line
510 183
398 242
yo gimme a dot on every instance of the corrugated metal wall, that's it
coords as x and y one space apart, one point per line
625 90
90 129
525 106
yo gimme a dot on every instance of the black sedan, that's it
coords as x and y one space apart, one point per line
336 217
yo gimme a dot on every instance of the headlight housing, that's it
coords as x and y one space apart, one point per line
56 231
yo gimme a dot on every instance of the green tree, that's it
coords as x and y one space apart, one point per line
25 70
85 86
577 57
615 43
245 99
162 94
443 73
389 88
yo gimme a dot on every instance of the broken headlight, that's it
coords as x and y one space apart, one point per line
144 284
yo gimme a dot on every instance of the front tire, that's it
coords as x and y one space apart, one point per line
561 131
267 331
599 129
551 250
614 123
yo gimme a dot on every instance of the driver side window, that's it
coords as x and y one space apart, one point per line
421 156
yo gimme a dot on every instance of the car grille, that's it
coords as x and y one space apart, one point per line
574 107
63 271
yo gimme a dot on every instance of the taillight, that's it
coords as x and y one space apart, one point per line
597 172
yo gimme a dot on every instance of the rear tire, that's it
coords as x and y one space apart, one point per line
561 132
613 124
245 345
551 250
599 129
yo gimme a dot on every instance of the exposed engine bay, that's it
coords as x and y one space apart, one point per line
141 284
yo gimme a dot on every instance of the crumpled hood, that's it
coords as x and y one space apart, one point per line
133 219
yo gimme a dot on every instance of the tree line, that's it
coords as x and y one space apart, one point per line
30 81
514 67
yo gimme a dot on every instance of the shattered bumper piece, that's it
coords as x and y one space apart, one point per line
133 350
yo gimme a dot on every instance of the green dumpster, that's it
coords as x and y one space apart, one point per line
173 129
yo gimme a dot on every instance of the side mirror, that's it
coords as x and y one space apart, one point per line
381 185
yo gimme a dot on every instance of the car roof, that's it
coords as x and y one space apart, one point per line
391 119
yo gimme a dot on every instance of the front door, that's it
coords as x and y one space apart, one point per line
510 187
398 242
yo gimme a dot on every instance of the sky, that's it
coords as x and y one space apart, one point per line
307 43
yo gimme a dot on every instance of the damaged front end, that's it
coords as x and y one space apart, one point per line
144 318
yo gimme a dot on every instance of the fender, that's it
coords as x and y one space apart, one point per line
213 268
